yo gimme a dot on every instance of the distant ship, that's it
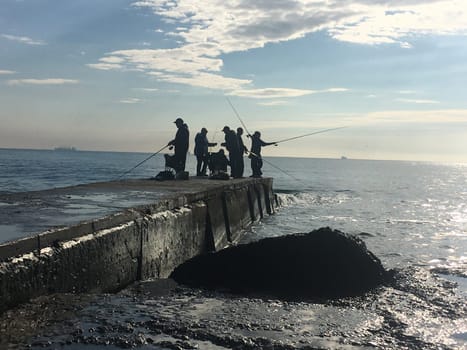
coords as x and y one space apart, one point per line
344 157
65 149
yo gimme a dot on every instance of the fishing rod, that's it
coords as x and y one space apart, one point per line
145 160
238 116
311 133
253 154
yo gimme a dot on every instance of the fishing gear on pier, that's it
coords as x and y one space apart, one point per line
140 163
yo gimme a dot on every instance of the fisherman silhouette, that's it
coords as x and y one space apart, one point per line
202 151
255 153
243 150
231 144
180 143
218 163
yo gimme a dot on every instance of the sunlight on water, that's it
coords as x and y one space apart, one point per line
409 214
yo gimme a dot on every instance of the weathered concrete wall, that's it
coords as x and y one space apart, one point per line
147 241
171 237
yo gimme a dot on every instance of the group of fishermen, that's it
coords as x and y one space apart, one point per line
217 161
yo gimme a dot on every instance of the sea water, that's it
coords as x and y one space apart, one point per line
412 215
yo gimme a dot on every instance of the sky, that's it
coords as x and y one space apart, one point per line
113 75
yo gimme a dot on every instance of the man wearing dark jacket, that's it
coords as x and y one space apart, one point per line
181 143
255 153
202 151
231 143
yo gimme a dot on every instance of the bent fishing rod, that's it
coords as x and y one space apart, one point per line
253 154
145 160
311 133
238 116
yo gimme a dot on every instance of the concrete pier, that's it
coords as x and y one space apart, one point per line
104 236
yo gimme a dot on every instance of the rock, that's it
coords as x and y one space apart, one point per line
324 263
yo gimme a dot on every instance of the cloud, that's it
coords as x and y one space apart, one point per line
51 81
106 66
22 39
131 100
273 103
417 101
204 31
280 92
6 72
147 89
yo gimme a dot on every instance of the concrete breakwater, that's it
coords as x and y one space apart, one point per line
183 219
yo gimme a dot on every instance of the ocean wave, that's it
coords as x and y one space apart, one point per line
312 198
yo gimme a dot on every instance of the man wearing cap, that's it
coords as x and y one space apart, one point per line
181 143
231 143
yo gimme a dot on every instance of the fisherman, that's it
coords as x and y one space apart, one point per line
243 150
180 143
255 153
231 143
218 163
202 151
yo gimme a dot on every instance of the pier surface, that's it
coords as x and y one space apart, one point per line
103 236
27 213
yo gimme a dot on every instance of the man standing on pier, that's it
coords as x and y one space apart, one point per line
231 143
180 143
255 153
202 151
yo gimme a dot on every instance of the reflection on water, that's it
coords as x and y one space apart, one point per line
417 312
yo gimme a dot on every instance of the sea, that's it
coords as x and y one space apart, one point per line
411 215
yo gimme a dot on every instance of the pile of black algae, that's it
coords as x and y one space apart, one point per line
324 263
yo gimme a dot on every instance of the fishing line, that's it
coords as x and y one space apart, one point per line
255 155
145 160
238 116
311 133
275 166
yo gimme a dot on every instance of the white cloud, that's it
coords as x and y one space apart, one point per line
417 101
106 66
206 30
50 81
6 72
207 80
273 103
280 92
23 39
130 100
147 89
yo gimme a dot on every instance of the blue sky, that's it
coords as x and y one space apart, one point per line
114 74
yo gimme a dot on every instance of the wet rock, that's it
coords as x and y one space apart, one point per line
324 263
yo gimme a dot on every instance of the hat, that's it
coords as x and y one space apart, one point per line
178 120
226 128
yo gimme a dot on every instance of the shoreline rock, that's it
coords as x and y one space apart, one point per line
324 263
